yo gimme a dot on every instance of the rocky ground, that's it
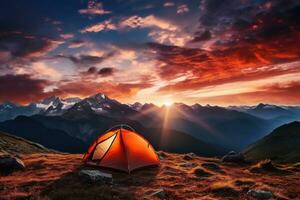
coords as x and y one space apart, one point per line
185 176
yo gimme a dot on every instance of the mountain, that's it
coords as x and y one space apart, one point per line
89 126
102 105
233 127
268 111
16 145
35 131
48 106
282 144
10 110
212 124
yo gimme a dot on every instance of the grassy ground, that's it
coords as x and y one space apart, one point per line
55 176
16 145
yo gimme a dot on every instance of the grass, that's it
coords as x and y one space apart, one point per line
55 176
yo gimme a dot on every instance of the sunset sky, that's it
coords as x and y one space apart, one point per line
221 52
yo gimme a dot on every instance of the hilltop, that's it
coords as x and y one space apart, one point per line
282 145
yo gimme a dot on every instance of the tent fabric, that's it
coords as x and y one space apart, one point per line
121 149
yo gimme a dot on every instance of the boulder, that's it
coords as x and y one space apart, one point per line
211 166
233 157
189 156
201 173
96 176
9 163
161 155
260 194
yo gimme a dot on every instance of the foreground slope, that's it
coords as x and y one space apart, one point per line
55 176
17 145
35 131
282 145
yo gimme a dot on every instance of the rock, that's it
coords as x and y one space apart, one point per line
96 176
189 165
201 173
260 194
233 157
158 193
161 155
189 156
211 166
9 163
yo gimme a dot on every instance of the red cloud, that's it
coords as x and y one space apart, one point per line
21 88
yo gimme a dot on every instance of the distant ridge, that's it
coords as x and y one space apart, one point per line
282 145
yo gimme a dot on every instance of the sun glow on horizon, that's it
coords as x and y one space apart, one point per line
168 102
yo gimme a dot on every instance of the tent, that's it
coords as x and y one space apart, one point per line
121 148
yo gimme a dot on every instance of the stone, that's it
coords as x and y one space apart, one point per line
211 166
160 193
233 157
96 176
260 194
188 165
9 163
161 155
189 156
201 173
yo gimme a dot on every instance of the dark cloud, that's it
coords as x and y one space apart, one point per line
206 35
21 88
86 60
22 45
106 71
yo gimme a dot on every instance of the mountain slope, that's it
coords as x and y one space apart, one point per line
17 145
88 127
35 131
282 145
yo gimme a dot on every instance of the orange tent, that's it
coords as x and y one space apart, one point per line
122 149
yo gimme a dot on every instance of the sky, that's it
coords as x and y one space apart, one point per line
220 52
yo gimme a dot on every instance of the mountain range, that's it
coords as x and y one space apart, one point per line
207 130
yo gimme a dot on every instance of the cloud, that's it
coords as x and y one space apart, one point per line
27 46
76 43
169 4
106 71
67 36
21 88
94 8
275 94
181 9
102 26
148 21
84 60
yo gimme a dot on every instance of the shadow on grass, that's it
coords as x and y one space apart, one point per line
72 186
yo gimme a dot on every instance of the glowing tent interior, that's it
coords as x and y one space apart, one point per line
121 148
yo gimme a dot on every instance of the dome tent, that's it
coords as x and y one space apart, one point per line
121 148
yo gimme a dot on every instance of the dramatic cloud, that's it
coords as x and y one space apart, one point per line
27 46
106 71
274 94
21 88
86 60
94 8
207 51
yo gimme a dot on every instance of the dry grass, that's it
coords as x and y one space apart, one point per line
54 176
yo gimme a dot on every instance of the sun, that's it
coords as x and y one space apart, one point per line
168 102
